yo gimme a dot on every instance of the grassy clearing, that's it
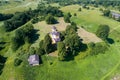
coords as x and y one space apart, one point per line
18 6
90 19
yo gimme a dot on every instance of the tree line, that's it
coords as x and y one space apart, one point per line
22 35
5 16
95 3
20 18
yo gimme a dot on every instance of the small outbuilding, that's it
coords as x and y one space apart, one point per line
33 60
115 15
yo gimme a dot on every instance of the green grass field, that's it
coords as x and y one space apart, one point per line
100 67
18 6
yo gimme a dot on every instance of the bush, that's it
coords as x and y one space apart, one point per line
50 19
98 48
79 9
17 62
5 16
103 32
67 18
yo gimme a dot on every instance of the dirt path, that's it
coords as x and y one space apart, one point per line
87 36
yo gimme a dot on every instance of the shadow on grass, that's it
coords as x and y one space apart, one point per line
72 54
40 60
34 36
2 62
111 41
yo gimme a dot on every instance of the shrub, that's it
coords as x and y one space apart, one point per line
50 19
103 32
98 48
17 62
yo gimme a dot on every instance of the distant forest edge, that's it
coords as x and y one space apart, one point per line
95 2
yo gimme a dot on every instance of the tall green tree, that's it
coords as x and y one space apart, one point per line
50 19
106 12
41 48
67 18
103 31
73 42
61 50
47 44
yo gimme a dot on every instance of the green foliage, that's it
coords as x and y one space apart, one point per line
2 62
67 18
73 42
106 12
79 9
22 35
75 14
41 48
17 62
43 10
103 31
21 18
32 50
118 19
97 48
62 35
15 43
69 14
61 50
37 19
18 20
101 9
74 26
5 16
71 29
91 45
50 19
47 44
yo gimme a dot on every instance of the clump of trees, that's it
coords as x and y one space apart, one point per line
61 50
47 44
50 19
5 16
70 44
22 35
21 18
79 9
67 17
103 32
96 48
37 19
106 12
2 44
2 62
18 20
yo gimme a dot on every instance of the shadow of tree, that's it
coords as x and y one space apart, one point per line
2 62
34 36
111 41
74 53
40 60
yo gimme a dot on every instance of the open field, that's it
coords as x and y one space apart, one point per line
18 6
90 19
